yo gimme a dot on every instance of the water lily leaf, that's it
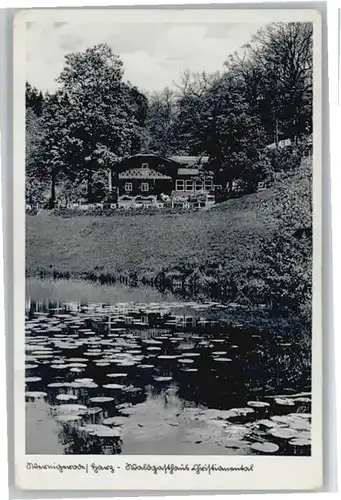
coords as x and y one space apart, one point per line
283 433
265 447
101 399
35 394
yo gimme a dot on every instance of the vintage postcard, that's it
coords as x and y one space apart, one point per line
167 249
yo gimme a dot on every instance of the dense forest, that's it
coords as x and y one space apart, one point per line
262 95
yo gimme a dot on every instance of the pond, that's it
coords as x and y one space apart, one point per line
116 370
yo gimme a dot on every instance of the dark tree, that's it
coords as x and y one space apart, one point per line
94 119
276 73
34 99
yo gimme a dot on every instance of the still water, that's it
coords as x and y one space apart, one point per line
116 370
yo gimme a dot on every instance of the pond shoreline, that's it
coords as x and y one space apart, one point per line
195 255
249 316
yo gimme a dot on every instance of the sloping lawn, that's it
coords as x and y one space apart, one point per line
229 232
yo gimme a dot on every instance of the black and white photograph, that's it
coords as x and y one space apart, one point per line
168 236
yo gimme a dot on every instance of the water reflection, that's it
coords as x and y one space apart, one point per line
156 377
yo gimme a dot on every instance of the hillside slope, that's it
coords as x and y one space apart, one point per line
227 233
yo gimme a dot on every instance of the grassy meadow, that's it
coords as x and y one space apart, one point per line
228 234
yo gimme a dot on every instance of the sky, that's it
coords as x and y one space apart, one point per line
154 54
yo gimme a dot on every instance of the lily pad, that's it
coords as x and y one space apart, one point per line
281 419
69 408
32 379
258 404
265 447
300 424
68 418
284 402
57 384
242 411
66 397
113 386
132 389
283 433
101 399
126 363
301 442
35 394
236 432
303 400
31 359
151 341
95 410
101 430
114 421
305 416
266 424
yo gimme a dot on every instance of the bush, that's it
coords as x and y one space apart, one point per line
288 158
287 257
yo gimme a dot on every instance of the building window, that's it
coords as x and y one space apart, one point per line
180 185
144 186
198 185
128 186
144 165
208 184
189 185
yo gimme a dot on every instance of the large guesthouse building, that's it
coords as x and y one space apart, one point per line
152 179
